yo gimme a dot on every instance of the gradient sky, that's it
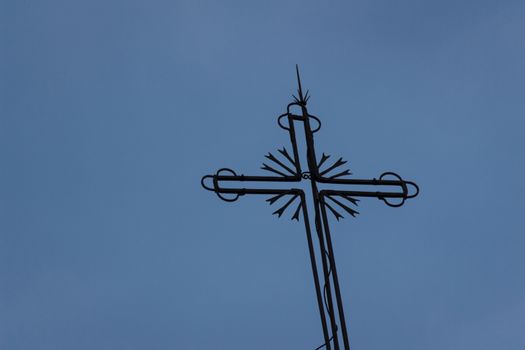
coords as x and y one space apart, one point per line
111 111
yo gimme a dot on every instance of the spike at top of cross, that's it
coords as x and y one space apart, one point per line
302 100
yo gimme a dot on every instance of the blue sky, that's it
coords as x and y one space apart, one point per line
112 111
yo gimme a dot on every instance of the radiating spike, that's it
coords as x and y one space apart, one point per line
338 163
324 157
269 168
346 172
277 161
348 209
336 214
275 198
281 210
284 152
350 199
297 211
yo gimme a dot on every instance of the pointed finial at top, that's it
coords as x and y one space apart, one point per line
302 99
299 82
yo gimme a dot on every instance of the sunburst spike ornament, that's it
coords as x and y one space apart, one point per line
275 198
281 210
324 158
229 186
341 174
350 199
345 207
337 164
278 162
297 211
284 152
335 212
269 168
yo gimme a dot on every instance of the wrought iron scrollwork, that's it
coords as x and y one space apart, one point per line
285 168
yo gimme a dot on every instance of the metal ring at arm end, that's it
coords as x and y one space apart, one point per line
393 205
203 184
403 186
216 187
279 121
317 120
415 186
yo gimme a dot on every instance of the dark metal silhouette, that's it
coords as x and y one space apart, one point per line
287 169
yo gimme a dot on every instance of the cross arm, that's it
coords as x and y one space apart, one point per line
403 193
213 183
276 193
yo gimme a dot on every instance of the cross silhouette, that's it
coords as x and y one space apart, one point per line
287 169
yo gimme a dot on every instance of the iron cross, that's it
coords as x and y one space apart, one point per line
286 169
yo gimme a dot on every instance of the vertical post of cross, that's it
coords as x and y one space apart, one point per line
325 245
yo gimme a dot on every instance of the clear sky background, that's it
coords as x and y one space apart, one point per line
111 111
